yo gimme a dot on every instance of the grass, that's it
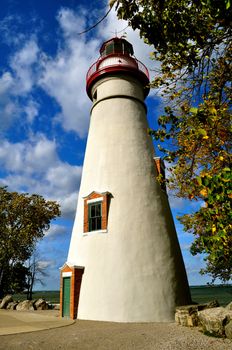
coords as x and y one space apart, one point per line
200 294
203 294
52 296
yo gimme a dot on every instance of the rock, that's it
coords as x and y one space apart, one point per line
41 304
214 320
209 305
229 306
25 305
187 315
228 330
5 301
12 305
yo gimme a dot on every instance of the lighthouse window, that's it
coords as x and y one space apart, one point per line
95 216
96 208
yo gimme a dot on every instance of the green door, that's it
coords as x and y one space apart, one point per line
66 297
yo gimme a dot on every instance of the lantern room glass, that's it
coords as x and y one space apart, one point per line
117 46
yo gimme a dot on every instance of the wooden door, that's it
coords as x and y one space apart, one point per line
66 296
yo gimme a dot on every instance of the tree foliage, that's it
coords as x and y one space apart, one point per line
14 279
192 41
23 220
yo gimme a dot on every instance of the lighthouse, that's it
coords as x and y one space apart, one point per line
124 262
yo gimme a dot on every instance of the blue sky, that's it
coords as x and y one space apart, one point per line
45 110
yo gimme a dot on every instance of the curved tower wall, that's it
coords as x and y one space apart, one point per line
134 271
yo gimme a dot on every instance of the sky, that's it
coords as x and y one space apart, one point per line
45 111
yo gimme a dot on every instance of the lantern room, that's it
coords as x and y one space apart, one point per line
118 46
116 57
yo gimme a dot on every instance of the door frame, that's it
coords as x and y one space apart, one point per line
75 273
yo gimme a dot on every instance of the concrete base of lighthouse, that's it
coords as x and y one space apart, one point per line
134 270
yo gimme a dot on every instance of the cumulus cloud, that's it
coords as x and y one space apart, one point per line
56 230
6 83
17 83
64 75
10 34
34 166
22 64
9 109
31 110
70 22
31 156
44 264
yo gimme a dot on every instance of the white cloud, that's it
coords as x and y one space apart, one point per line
9 109
64 75
31 110
56 230
9 29
31 156
58 174
22 64
6 82
44 264
68 205
34 166
70 23
18 82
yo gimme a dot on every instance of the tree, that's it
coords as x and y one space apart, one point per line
15 278
23 220
192 41
36 272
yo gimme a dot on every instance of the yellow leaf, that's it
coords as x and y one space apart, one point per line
204 192
213 110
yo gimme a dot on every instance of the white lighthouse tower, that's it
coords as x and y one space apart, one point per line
124 262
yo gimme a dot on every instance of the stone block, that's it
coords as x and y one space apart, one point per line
229 306
186 315
12 305
5 301
214 320
25 305
228 330
41 304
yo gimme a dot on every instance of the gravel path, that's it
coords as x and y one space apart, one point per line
83 335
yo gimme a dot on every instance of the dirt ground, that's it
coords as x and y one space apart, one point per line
91 335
